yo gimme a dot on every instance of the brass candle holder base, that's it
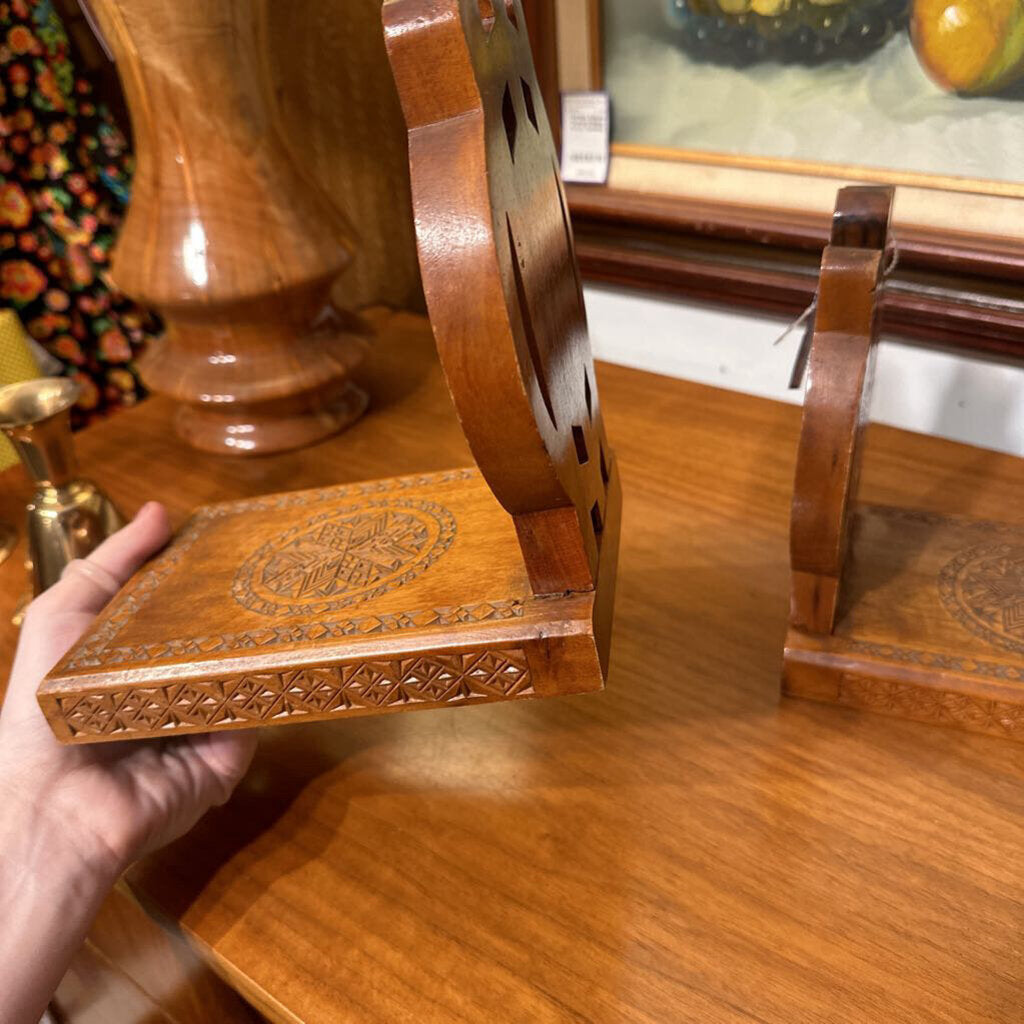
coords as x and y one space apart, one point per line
68 515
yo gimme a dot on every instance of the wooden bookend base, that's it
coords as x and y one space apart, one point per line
375 597
930 624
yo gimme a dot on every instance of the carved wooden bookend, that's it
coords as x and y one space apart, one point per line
410 592
226 235
501 278
893 610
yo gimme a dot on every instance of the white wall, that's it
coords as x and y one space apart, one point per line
974 400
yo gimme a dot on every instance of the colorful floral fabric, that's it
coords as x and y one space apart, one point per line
65 171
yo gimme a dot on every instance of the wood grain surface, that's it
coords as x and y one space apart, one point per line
929 625
682 847
841 363
133 971
339 111
398 594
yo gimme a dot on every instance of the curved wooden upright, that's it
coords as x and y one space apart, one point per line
500 277
893 610
227 236
840 372
415 592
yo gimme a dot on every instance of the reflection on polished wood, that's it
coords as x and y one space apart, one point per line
681 847
227 235
133 971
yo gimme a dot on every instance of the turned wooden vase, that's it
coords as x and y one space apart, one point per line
227 235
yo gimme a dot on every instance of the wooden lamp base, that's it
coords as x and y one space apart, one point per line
930 624
376 597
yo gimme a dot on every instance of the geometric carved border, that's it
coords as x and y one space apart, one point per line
97 650
937 660
301 632
261 697
984 527
924 704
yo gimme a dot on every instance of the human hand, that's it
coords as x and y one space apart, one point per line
112 802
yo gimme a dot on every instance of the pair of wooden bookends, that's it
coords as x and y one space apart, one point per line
497 583
418 592
893 610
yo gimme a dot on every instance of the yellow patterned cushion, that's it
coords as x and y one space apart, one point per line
16 363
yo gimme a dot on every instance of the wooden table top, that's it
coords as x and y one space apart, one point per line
681 847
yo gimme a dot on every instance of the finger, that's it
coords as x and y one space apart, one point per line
59 616
88 584
190 775
94 574
227 755
123 552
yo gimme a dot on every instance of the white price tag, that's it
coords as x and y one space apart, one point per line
586 122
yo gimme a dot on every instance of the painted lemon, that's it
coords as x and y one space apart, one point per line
969 46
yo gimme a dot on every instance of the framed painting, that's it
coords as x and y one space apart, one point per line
734 122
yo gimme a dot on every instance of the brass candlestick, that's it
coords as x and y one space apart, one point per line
68 515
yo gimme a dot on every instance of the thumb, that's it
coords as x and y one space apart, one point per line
226 755
110 565
59 616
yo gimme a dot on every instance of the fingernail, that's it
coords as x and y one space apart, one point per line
139 514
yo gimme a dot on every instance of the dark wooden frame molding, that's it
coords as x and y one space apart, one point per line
946 289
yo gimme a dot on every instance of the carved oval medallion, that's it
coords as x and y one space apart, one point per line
343 557
983 588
